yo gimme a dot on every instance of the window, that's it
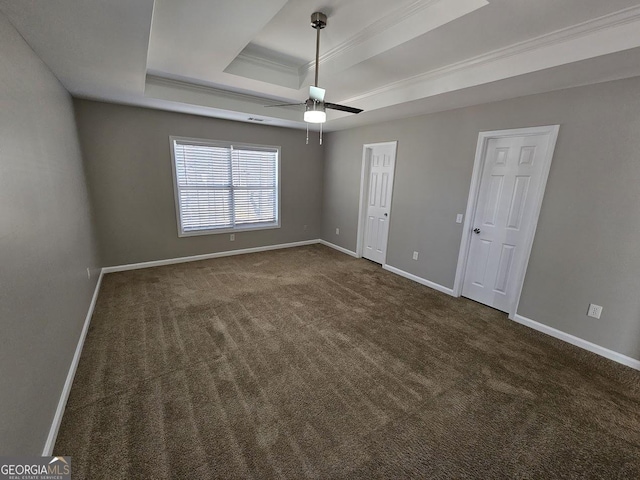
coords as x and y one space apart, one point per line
221 187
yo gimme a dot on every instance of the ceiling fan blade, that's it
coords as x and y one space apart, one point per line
316 93
285 105
342 108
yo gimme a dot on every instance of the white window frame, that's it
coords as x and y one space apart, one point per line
224 144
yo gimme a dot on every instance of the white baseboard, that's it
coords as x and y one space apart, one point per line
64 396
336 247
420 280
578 342
206 256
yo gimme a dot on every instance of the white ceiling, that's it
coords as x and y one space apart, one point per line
227 59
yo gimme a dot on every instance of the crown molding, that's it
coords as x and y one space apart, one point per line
210 90
430 13
267 63
264 69
384 23
556 38
230 104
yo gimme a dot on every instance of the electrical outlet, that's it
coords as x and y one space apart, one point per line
594 310
88 273
415 255
232 237
305 227
337 231
459 218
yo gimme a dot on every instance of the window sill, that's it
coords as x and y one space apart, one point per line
216 231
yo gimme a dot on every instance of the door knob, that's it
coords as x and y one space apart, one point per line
476 231
386 214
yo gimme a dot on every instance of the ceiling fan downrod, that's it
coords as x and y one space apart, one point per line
318 21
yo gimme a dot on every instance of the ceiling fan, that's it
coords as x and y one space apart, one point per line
315 105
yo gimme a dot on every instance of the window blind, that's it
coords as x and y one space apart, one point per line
225 186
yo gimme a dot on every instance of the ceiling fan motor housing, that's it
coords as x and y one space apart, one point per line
318 20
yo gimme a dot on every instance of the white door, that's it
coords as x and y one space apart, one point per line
378 208
510 192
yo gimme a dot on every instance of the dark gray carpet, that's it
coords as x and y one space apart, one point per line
306 363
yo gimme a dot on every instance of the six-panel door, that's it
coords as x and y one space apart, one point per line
379 202
511 177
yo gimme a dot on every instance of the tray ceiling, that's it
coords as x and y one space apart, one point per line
229 58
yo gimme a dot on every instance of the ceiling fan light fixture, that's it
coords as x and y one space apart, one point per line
315 113
315 105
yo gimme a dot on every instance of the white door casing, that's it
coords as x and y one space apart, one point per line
508 185
375 202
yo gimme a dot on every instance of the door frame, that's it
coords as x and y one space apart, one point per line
474 191
364 188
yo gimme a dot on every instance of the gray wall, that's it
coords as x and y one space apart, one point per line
46 244
128 161
587 243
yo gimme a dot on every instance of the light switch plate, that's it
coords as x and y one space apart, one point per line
459 218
